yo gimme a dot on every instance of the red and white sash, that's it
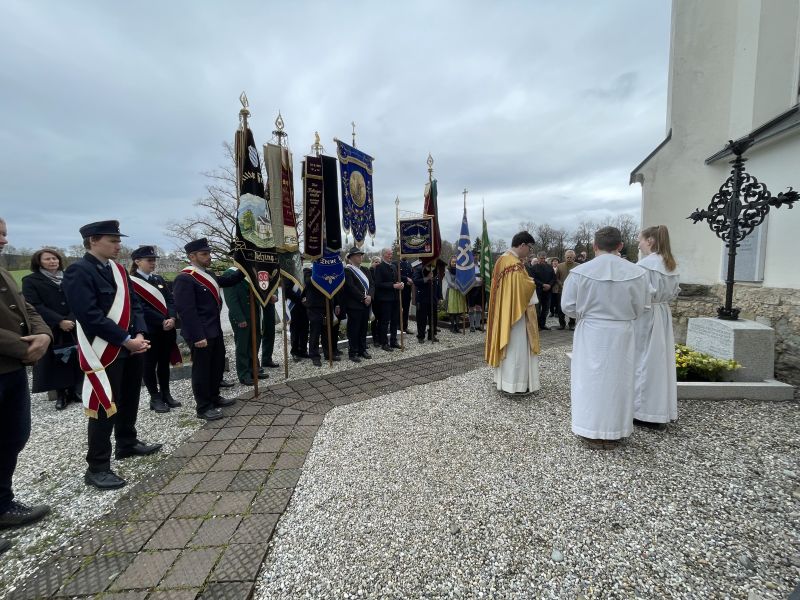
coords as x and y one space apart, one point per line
153 296
95 357
206 280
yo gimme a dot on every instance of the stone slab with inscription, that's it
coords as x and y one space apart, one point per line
749 343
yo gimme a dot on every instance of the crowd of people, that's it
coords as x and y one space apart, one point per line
94 333
623 362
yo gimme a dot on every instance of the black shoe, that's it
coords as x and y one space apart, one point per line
650 425
571 328
472 330
395 345
170 401
421 340
4 545
262 373
387 347
212 414
72 396
138 449
219 401
354 358
18 514
271 364
247 381
61 403
104 480
365 354
159 406
317 361
226 384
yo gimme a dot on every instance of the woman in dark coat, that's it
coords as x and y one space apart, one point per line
58 369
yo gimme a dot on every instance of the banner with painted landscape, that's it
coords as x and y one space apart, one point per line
416 237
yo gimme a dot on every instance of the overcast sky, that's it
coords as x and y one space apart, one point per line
113 110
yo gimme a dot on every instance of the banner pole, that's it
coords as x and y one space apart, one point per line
330 337
285 325
399 257
254 341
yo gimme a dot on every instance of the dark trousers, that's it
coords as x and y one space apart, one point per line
15 428
357 330
318 332
125 377
424 320
543 308
389 312
298 330
208 365
243 340
156 361
267 333
562 318
555 302
406 305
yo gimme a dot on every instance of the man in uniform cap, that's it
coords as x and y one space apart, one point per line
24 338
159 314
199 302
357 295
111 343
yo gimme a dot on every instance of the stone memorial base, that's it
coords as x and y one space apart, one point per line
749 343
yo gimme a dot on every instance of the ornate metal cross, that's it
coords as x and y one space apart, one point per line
740 205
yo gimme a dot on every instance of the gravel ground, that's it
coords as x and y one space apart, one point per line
457 491
50 469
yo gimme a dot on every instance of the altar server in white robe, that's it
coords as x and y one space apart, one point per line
656 392
512 338
605 295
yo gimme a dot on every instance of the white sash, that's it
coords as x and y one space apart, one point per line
205 279
361 277
151 294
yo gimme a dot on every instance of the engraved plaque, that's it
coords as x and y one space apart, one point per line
749 256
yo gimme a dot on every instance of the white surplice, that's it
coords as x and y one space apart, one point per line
519 370
605 295
656 389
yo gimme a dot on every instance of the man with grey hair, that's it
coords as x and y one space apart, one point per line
387 299
563 271
24 338
544 277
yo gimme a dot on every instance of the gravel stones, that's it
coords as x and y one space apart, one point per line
666 515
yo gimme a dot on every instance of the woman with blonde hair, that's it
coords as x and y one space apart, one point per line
656 388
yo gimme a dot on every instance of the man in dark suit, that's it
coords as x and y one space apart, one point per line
406 274
387 292
94 287
238 298
199 302
298 326
160 318
425 280
318 321
357 295
545 278
24 338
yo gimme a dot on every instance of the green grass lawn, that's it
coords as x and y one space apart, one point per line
18 275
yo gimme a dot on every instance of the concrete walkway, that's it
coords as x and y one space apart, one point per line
200 527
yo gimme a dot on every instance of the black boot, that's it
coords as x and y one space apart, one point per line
61 400
157 403
170 401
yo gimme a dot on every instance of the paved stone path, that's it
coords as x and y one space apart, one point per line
200 527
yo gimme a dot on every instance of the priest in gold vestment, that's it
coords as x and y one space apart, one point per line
512 338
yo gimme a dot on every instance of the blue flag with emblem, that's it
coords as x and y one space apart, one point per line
465 261
358 209
327 273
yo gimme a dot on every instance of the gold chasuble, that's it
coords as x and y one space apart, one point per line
509 300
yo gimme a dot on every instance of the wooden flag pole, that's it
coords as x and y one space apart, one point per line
330 336
254 341
399 256
434 266
285 326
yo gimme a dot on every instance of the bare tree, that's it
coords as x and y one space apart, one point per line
583 236
499 245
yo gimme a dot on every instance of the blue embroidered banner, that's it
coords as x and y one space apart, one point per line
465 261
327 273
416 237
358 209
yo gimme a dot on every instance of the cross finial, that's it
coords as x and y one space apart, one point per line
353 123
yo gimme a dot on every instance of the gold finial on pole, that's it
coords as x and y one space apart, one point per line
353 123
278 133
244 112
430 167
316 147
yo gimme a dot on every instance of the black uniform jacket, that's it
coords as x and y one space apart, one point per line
90 290
197 306
424 287
353 291
385 278
152 316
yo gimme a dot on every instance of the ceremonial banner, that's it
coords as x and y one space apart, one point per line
416 237
358 208
486 257
333 228
254 250
281 197
327 273
431 209
465 261
312 207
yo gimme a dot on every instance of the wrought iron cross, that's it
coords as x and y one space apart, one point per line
740 205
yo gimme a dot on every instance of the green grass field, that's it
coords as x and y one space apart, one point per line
18 275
